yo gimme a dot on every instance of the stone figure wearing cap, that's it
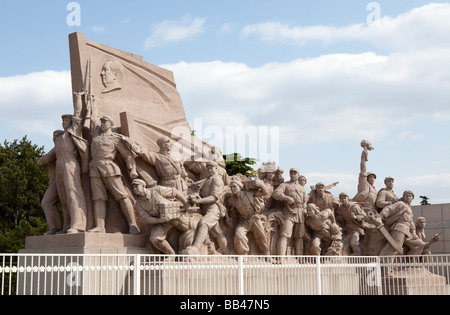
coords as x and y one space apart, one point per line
294 199
246 202
170 172
148 207
399 218
367 193
71 154
322 198
267 174
106 175
213 210
386 196
351 217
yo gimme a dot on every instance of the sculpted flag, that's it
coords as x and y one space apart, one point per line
140 97
143 101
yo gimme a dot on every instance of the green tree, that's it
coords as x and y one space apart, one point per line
425 201
22 185
236 164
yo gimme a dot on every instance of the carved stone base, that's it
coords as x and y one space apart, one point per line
86 243
266 277
56 275
414 281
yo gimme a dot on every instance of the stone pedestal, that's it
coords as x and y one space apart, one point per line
209 276
86 243
414 281
70 265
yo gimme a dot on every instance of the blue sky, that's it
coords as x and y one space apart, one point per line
319 71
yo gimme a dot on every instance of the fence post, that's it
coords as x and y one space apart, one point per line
240 275
319 276
378 275
137 275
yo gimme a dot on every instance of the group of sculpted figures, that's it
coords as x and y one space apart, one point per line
196 208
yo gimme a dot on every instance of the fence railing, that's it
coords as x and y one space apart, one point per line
222 275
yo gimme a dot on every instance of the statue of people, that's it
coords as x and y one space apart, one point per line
386 196
322 198
198 170
50 200
351 218
279 179
148 207
71 153
267 174
325 234
399 217
367 193
294 199
213 210
302 180
421 241
112 73
246 200
171 173
106 175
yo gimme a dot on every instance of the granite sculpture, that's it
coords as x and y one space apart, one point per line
126 162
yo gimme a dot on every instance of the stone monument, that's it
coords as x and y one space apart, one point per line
141 105
131 178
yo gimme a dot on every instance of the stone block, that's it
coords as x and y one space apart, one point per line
86 243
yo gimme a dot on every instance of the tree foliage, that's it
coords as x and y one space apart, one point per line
236 164
425 201
22 185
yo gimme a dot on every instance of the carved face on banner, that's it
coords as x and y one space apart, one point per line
112 73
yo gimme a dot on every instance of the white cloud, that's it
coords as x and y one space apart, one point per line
172 32
32 104
328 98
424 27
433 186
318 100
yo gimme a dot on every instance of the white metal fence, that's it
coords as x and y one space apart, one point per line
222 275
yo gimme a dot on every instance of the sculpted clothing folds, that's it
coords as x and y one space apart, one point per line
169 171
366 192
69 148
327 201
104 149
213 186
351 217
148 208
385 198
399 217
249 205
50 200
293 214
